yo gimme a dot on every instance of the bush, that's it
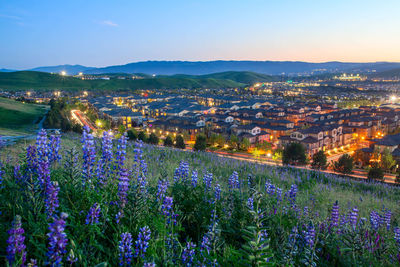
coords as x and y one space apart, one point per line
180 143
319 161
168 141
153 139
294 154
344 164
376 173
201 143
142 136
132 135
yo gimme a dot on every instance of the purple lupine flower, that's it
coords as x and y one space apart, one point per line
32 263
182 172
387 218
54 147
71 259
188 254
123 187
249 180
140 166
121 152
194 178
15 241
57 241
293 194
1 173
31 159
44 174
375 219
93 215
217 193
162 189
233 181
278 194
309 236
167 210
250 203
335 214
397 235
353 217
207 180
17 174
125 249
89 155
42 146
149 264
305 211
205 244
142 242
51 201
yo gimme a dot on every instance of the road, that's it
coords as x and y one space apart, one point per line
81 118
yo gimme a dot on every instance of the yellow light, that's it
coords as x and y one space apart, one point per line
80 73
268 155
63 73
393 98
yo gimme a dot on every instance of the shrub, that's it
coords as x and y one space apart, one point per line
201 142
376 173
344 164
294 154
168 141
319 161
180 143
153 139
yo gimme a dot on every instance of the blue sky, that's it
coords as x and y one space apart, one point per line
102 33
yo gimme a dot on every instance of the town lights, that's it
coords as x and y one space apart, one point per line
63 73
393 98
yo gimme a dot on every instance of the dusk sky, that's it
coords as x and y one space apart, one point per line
103 33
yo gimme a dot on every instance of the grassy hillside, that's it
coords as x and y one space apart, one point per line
25 80
18 118
195 210
244 77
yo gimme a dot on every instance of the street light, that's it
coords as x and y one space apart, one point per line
63 73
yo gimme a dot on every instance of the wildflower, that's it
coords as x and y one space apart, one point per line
125 249
162 189
54 147
31 159
89 155
188 254
93 214
233 181
123 187
149 264
207 180
32 263
205 244
250 203
42 145
167 211
121 152
375 219
57 241
397 235
43 174
194 178
387 218
217 193
51 201
335 214
293 194
71 259
15 242
17 174
182 172
309 236
142 243
353 217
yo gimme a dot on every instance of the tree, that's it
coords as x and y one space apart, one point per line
180 143
344 164
168 141
153 139
319 161
201 143
121 129
132 135
245 144
294 154
387 161
376 173
142 136
234 141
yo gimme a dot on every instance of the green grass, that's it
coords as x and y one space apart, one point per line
27 80
17 118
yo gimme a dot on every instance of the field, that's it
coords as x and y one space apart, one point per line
170 207
17 118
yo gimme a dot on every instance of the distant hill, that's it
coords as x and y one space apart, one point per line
393 73
6 70
291 68
25 80
69 69
245 77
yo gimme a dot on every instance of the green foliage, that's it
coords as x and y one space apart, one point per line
201 142
121 129
142 136
132 135
180 143
387 161
153 139
168 141
319 161
344 164
294 154
376 173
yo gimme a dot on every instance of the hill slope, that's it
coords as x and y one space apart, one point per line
25 80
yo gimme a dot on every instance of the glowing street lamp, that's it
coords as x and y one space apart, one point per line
63 73
393 98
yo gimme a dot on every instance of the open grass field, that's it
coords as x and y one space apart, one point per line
17 118
262 216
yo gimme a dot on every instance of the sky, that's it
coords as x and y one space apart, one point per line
114 32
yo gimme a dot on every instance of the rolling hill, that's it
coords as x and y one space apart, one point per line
26 80
244 77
